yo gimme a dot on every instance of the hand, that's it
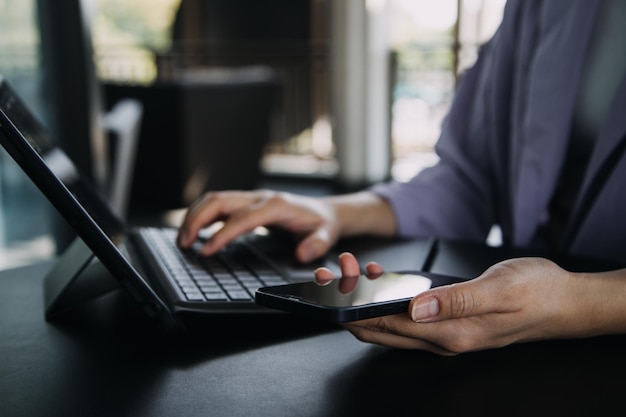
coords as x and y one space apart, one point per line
514 301
312 220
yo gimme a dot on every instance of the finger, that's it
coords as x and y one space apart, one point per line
323 276
206 210
449 337
347 284
315 245
240 222
378 331
349 265
373 270
265 211
350 271
479 296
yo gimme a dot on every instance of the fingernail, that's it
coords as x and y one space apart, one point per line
425 309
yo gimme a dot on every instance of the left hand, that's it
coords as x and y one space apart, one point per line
513 301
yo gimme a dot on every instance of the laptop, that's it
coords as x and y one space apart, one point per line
170 284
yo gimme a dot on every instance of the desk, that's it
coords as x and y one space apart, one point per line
107 360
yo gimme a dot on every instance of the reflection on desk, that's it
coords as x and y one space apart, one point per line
108 360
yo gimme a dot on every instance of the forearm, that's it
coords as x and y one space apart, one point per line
363 213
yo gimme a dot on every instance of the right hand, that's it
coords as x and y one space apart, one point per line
311 220
516 300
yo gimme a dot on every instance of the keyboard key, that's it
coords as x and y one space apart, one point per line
216 278
216 296
239 295
194 296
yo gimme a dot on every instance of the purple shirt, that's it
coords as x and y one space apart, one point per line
504 141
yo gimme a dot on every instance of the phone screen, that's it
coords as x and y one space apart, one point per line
389 286
387 294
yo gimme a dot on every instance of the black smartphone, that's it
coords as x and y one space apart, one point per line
387 294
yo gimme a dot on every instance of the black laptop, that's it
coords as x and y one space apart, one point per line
146 261
169 283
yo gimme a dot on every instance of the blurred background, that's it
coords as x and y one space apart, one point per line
311 96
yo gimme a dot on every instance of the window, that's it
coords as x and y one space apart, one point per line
432 42
24 213
129 37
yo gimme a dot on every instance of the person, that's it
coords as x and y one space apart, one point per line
533 142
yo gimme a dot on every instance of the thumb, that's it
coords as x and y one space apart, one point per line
455 301
314 245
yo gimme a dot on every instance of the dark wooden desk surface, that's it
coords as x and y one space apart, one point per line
107 360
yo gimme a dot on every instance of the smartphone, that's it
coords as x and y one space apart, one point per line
387 294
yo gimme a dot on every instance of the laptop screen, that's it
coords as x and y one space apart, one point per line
73 196
59 163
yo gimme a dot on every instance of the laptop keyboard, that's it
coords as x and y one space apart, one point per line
232 275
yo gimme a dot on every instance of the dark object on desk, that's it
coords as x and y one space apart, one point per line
385 295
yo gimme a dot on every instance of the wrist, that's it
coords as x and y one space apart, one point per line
599 302
362 213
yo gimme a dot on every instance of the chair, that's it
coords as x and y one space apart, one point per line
123 122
